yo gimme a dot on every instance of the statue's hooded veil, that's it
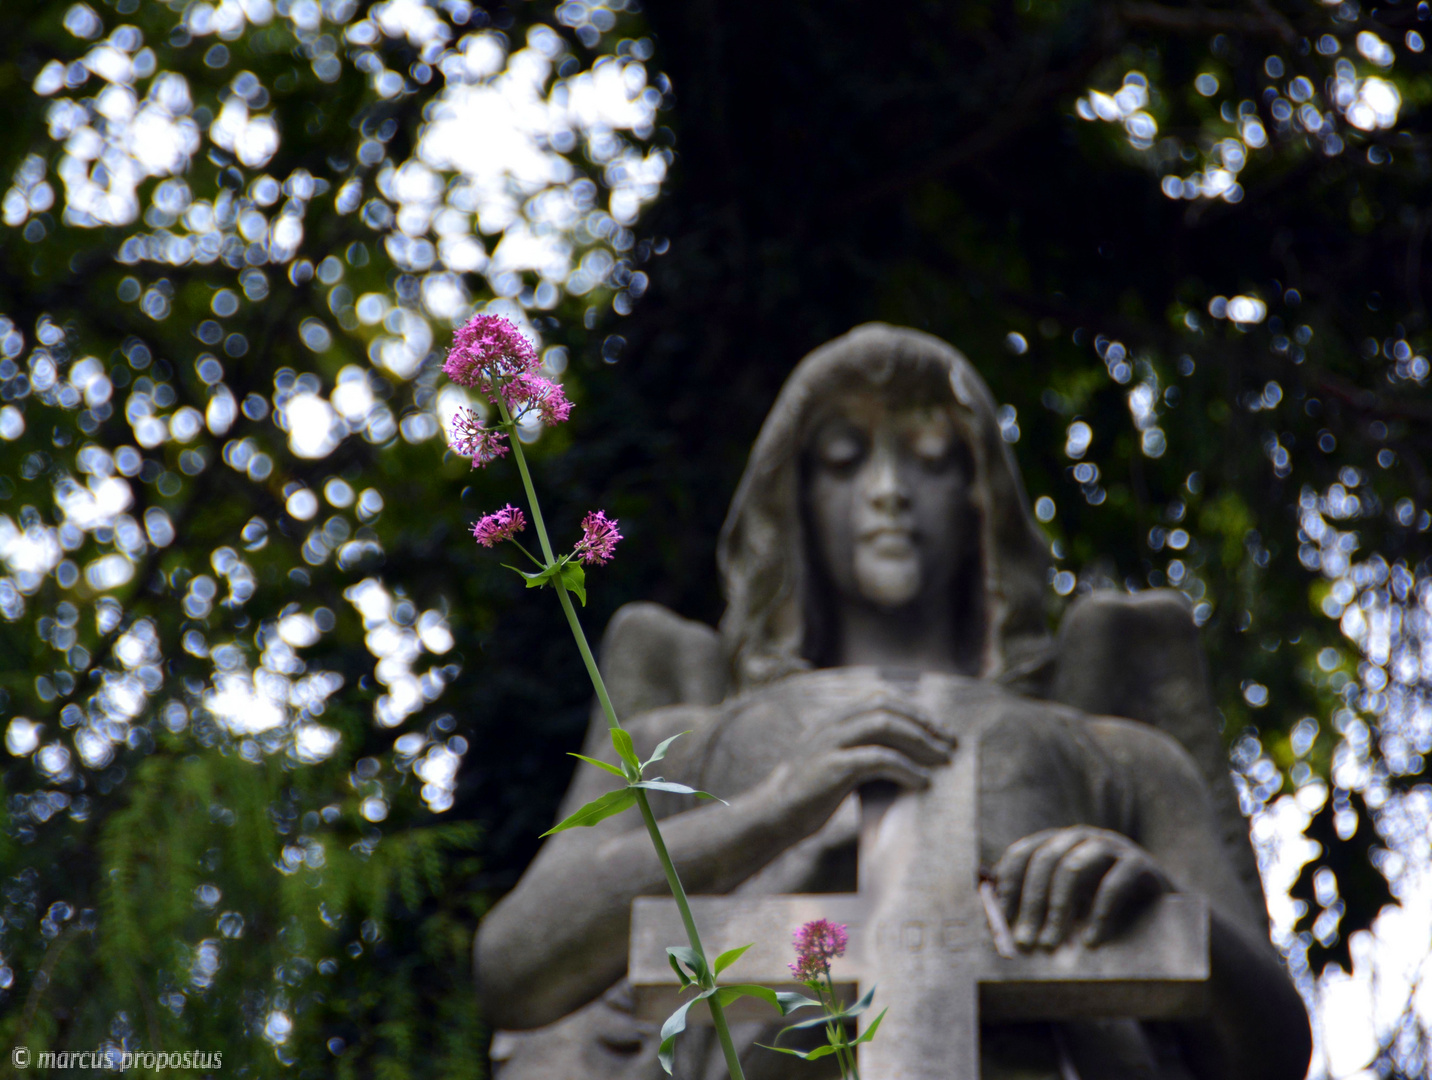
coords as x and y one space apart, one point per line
763 554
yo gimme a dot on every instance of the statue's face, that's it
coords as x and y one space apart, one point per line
886 498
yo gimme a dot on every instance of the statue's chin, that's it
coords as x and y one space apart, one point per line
887 582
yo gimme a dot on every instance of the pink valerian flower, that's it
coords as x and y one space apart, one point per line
817 944
487 351
527 392
470 439
554 406
490 354
599 538
502 525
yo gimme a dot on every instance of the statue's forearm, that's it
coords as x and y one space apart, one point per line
1257 1028
560 938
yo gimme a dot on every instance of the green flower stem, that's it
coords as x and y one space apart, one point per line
718 1014
830 1005
836 1033
516 443
535 561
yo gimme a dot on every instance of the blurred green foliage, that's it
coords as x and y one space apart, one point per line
276 733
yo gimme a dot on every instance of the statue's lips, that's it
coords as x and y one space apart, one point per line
888 540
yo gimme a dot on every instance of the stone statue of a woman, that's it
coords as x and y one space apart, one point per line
880 537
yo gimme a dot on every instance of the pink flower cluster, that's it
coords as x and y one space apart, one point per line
599 538
527 392
491 355
488 348
470 439
817 944
502 525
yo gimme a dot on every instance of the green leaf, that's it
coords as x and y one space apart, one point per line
574 578
826 1018
622 743
599 764
804 1055
674 1026
613 802
788 1001
660 784
662 747
835 1018
869 1033
692 961
861 1005
729 957
537 578
824 1051
680 971
727 994
819 1021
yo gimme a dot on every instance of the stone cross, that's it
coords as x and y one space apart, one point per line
921 931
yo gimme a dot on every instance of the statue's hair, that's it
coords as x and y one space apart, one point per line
763 555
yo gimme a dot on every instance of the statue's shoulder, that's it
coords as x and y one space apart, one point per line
651 657
1138 656
663 673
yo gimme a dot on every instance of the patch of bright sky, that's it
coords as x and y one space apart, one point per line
1351 1011
1354 1013
490 159
1385 613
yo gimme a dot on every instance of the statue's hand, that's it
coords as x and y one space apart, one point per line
885 740
1046 881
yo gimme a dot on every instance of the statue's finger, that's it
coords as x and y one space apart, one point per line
898 733
866 764
911 711
1132 877
1009 871
1034 896
892 706
1074 878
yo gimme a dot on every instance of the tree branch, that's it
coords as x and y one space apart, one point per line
1261 22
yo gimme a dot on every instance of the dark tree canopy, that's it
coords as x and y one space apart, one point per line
276 731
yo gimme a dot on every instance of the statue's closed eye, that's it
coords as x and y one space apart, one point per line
840 448
929 436
932 445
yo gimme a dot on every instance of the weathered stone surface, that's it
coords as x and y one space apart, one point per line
1157 968
919 928
888 717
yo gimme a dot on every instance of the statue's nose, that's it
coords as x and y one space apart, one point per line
885 487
